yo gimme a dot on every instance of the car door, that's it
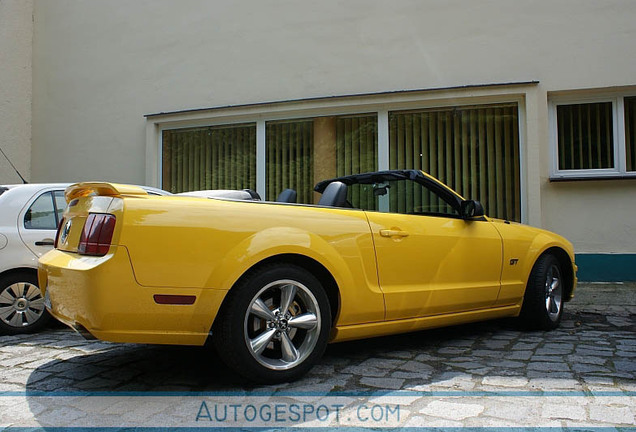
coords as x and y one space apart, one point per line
37 222
430 260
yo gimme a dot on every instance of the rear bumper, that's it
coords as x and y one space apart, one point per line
101 296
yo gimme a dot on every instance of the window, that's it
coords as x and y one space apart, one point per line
60 204
593 137
299 153
289 159
46 211
215 157
630 133
473 150
356 144
585 137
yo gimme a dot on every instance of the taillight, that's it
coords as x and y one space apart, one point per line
97 234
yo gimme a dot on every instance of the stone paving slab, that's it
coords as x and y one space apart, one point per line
582 375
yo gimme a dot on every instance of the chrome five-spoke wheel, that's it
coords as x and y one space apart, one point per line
282 324
274 324
542 307
553 292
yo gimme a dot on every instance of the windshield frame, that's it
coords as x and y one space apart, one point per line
424 179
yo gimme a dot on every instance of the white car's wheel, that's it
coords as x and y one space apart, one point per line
274 325
21 304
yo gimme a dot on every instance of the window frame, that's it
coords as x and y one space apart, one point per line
200 125
446 194
440 190
56 218
523 94
465 108
618 134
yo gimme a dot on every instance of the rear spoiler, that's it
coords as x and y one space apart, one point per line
83 189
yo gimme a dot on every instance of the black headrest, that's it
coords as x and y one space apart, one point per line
287 196
335 195
255 196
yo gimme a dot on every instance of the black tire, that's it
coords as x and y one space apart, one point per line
21 304
254 339
543 301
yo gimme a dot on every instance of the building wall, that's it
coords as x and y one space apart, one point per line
16 42
587 211
100 66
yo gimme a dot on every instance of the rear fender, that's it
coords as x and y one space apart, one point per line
361 298
277 241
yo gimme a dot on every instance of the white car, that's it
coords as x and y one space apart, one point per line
29 216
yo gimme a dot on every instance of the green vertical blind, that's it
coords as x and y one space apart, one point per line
474 150
630 133
585 136
289 159
218 157
356 144
356 152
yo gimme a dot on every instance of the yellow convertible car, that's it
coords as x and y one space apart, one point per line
271 283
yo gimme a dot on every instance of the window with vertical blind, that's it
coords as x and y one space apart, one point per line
289 159
593 138
215 157
474 150
585 135
356 144
299 153
357 152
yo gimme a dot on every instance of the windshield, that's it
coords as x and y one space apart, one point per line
398 191
400 196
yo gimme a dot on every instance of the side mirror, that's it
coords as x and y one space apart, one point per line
471 209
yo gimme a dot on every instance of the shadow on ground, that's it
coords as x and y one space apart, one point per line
587 350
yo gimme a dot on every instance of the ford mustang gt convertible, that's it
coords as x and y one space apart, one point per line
271 283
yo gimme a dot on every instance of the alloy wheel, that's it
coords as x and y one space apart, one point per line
21 304
282 324
553 292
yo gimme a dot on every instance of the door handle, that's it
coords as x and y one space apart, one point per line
45 242
393 233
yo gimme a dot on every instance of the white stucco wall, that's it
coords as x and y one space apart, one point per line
594 215
101 65
16 42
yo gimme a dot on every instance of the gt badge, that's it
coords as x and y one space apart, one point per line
514 261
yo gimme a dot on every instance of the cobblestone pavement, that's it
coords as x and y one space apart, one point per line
480 375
